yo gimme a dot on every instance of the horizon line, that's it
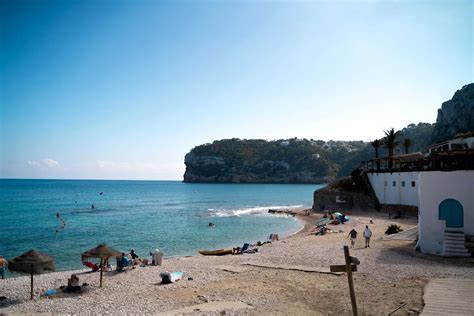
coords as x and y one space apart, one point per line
85 179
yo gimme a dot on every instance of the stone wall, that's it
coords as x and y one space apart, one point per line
397 210
351 193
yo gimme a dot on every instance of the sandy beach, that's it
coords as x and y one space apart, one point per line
288 277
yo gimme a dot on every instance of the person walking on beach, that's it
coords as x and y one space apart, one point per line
367 235
353 236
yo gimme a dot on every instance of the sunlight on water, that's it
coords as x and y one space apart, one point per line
143 215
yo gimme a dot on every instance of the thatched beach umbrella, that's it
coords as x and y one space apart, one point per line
32 262
103 252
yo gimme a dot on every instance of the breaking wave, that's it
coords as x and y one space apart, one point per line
253 211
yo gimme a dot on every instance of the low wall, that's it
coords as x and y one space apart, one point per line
350 193
399 210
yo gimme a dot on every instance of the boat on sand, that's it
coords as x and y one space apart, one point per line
218 252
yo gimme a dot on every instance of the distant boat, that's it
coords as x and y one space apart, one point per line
218 252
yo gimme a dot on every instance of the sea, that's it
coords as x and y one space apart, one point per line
64 218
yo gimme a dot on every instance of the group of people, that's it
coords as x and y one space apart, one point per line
124 261
367 235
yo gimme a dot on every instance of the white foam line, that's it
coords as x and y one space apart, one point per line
257 210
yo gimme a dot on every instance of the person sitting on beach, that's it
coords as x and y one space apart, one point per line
73 284
246 248
133 254
93 266
274 237
136 259
123 262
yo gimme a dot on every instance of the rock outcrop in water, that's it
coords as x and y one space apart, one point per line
456 115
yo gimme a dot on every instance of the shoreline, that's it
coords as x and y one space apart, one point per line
259 283
298 217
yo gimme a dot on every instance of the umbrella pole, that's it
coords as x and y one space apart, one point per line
31 283
101 268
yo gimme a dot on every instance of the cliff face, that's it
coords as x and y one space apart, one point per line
280 161
456 115
214 169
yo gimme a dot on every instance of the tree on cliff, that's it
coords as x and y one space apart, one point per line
390 142
376 144
407 143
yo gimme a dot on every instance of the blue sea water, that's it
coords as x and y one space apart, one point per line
144 215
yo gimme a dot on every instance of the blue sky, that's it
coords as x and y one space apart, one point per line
124 89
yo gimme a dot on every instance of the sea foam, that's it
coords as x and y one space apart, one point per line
254 211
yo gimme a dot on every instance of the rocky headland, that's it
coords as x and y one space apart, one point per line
316 161
456 115
280 161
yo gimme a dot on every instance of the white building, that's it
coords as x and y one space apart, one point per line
453 144
446 206
445 202
400 188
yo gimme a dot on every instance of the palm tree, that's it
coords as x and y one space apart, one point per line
407 143
390 142
376 144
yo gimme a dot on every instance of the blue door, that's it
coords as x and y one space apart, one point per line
451 211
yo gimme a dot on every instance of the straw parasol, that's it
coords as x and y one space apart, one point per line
103 252
32 262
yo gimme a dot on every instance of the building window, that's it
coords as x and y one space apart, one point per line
413 183
403 183
394 183
385 183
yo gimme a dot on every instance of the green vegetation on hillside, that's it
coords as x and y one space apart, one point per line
420 135
291 160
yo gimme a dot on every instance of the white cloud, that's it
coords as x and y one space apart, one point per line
51 163
44 163
33 163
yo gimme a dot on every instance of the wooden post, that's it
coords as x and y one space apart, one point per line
101 270
31 282
349 278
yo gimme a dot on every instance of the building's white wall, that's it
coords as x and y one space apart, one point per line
434 187
387 193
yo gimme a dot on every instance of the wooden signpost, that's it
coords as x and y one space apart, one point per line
349 267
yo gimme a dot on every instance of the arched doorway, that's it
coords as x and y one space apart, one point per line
451 211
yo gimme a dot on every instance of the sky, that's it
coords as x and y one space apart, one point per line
124 89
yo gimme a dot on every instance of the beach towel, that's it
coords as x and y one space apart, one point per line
50 292
91 265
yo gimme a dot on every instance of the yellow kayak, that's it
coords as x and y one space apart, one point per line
218 252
